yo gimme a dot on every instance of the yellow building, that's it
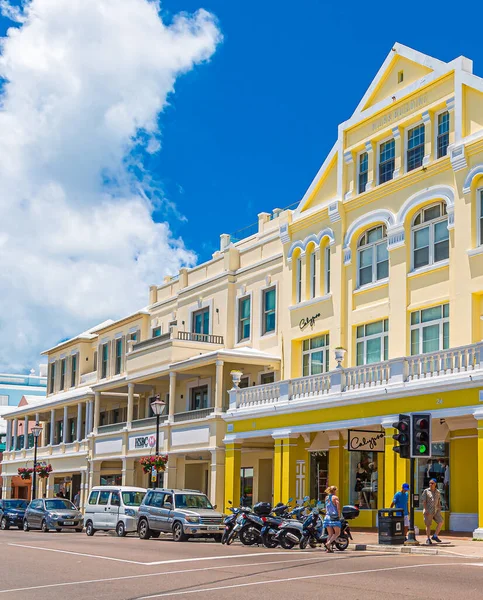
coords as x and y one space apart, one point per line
383 257
326 322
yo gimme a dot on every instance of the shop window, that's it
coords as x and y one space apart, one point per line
430 329
244 318
437 467
319 475
315 355
372 342
200 321
199 397
430 236
372 256
442 141
246 486
269 299
111 480
387 153
415 151
363 172
363 479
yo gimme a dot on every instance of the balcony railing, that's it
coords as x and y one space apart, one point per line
88 378
193 414
200 337
111 428
149 422
392 375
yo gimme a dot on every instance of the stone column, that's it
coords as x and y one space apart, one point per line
97 408
172 396
79 422
277 471
87 419
49 489
130 404
26 433
217 478
219 387
52 426
289 453
128 471
398 153
9 435
15 433
336 461
6 486
65 425
170 475
232 473
371 167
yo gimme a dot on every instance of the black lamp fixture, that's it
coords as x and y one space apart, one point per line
36 431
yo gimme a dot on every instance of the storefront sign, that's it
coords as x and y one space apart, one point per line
366 440
308 321
145 441
399 112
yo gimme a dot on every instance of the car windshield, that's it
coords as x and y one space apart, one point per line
15 504
192 501
59 504
133 498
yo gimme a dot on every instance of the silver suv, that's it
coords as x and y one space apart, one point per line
184 513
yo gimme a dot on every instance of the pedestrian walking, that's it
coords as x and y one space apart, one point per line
431 499
400 501
332 517
77 499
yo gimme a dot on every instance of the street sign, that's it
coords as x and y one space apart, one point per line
154 475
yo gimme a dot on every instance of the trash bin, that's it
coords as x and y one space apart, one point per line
391 526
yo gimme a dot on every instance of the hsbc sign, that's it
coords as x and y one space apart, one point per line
145 442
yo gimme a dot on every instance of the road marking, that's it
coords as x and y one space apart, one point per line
133 562
287 579
241 565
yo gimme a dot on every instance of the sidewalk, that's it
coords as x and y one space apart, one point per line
453 544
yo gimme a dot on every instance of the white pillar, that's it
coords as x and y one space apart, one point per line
172 395
52 426
26 433
79 422
217 478
130 403
88 416
9 435
15 433
219 387
97 409
65 425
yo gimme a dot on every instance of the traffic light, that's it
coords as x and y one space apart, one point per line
403 436
421 435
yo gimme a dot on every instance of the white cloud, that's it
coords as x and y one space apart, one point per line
85 81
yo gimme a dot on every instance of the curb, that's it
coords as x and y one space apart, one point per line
400 549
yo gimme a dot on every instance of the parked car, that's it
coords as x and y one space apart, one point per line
52 513
184 513
113 507
12 513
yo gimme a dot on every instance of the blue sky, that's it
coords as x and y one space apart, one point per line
247 132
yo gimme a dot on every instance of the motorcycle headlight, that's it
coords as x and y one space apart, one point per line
193 519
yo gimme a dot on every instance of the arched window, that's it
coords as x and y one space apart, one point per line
430 235
372 256
298 279
312 274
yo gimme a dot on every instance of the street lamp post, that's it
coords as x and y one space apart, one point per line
37 430
157 407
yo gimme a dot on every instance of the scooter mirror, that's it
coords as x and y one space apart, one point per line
306 498
290 499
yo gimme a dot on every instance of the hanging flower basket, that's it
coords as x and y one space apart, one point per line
158 461
25 472
43 471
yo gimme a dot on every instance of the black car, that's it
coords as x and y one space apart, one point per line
12 513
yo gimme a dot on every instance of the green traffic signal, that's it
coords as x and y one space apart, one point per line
422 449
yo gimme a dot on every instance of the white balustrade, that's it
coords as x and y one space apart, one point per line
455 360
366 376
88 378
314 385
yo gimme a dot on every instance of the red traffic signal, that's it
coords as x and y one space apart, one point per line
421 436
403 437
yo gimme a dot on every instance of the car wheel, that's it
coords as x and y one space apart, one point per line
143 530
178 533
90 529
26 525
120 529
44 527
4 524
155 534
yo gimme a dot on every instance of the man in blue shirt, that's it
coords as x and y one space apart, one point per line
400 500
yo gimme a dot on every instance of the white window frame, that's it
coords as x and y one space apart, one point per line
378 156
479 215
420 326
322 349
237 319
327 259
374 256
313 274
273 285
358 170
406 147
431 225
365 338
436 119
298 279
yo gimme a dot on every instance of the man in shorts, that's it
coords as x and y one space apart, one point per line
400 501
431 499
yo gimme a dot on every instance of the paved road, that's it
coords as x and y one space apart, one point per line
70 565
